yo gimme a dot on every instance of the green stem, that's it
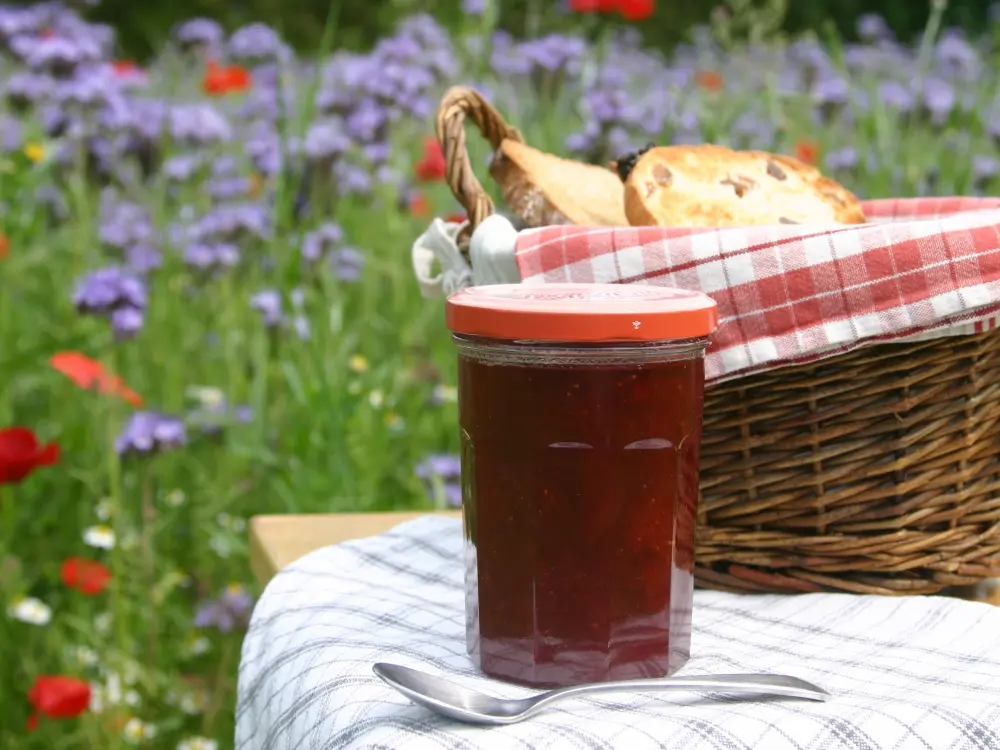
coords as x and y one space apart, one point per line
218 692
7 342
9 519
938 7
149 557
6 535
113 466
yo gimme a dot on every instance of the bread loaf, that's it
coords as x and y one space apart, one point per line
711 186
544 189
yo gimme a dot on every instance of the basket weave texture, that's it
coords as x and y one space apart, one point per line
875 471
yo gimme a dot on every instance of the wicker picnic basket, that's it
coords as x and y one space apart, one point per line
876 471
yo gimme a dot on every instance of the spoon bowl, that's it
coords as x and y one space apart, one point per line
472 707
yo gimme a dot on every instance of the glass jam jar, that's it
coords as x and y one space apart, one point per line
580 408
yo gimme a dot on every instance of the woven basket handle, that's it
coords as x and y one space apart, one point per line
458 103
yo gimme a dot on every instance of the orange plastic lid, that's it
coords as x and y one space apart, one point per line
581 312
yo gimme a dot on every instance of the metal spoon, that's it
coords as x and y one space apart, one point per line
473 707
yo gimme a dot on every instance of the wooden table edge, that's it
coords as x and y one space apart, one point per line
279 540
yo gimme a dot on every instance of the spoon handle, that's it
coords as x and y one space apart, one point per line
761 684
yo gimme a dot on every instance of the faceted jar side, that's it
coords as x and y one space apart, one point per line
579 491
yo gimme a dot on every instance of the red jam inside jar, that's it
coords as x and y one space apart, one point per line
580 409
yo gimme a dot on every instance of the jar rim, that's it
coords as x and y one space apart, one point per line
575 312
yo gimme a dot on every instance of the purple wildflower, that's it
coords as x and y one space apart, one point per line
896 96
230 222
830 89
141 259
984 169
352 179
212 257
474 8
843 159
200 33
56 54
108 289
265 148
141 117
268 304
24 88
325 141
554 54
148 432
124 224
198 125
939 99
957 55
225 166
18 21
255 43
751 130
444 470
377 153
229 188
367 121
872 27
88 88
126 322
183 167
230 610
266 103
316 244
347 263
11 133
810 55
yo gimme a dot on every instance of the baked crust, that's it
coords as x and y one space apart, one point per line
544 189
711 186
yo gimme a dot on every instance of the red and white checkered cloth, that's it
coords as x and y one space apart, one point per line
920 268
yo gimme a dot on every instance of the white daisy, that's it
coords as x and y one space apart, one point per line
102 537
136 730
198 743
175 499
30 610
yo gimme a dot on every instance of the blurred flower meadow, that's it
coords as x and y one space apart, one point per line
207 309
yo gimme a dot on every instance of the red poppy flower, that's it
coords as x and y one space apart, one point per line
807 151
87 576
710 80
21 454
636 10
225 79
4 246
59 696
432 166
125 67
89 373
419 205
